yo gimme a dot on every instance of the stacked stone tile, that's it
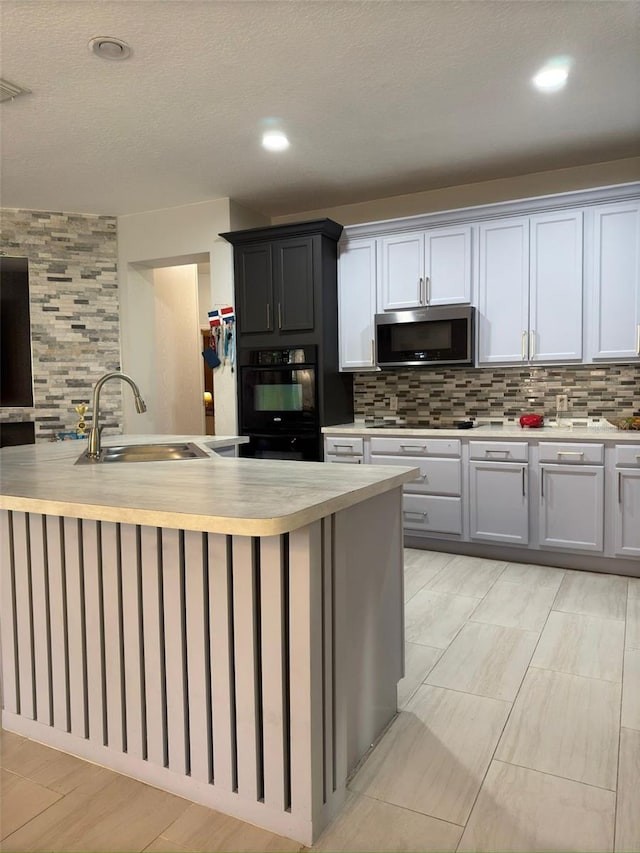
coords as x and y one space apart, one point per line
75 330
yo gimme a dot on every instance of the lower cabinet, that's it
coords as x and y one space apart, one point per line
499 502
432 513
627 512
571 508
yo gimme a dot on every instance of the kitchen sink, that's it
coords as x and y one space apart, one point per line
147 453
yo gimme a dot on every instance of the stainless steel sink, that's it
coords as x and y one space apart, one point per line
147 453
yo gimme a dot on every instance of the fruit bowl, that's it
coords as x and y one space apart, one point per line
625 423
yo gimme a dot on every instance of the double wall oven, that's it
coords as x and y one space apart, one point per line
279 403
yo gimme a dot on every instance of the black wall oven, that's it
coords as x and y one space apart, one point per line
279 403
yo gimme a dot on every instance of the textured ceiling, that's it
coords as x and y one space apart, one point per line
378 98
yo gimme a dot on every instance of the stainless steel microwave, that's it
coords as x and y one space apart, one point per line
425 337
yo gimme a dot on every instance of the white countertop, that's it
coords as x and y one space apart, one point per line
252 497
608 434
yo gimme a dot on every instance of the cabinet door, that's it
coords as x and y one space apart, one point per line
293 275
503 291
627 512
555 306
254 289
615 302
572 507
401 271
357 304
448 265
499 502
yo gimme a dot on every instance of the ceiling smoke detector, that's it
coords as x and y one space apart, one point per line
108 47
9 91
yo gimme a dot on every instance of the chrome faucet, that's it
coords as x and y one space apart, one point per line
93 449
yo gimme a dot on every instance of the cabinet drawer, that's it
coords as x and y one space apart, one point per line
344 446
628 455
344 459
416 446
437 476
507 451
565 453
432 514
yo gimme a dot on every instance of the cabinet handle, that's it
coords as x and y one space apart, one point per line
532 343
542 482
413 447
373 351
487 452
638 338
421 291
279 316
347 446
524 338
570 453
414 512
619 487
422 477
268 315
524 494
427 290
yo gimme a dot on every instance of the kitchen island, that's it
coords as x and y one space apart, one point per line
230 630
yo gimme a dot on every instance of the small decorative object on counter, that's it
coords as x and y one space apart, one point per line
531 421
464 424
81 426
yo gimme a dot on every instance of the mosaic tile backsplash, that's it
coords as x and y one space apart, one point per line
75 329
439 397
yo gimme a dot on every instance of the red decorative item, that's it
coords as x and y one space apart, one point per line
532 421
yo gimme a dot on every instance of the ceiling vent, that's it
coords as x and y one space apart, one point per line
9 91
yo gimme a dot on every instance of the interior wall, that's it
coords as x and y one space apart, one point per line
484 192
178 400
158 238
73 301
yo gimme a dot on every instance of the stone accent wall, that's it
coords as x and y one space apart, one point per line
75 329
440 396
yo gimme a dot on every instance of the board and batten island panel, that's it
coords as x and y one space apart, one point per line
247 671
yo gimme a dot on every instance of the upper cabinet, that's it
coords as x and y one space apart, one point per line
285 283
357 304
614 263
555 279
530 289
425 268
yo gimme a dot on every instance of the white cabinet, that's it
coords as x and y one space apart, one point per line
432 503
530 289
499 501
627 500
357 304
615 283
571 506
425 268
349 450
627 512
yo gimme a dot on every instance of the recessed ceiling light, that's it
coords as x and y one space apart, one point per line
108 47
552 76
275 140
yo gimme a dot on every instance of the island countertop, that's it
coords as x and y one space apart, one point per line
247 497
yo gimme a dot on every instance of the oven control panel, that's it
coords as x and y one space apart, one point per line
277 357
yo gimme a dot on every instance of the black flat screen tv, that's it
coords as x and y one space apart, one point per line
16 383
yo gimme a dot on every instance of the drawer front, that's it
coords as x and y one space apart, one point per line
437 476
577 454
344 459
416 446
339 445
432 514
628 455
507 451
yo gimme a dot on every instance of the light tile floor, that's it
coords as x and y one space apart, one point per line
519 730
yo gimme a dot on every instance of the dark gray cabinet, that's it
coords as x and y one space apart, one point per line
285 282
286 296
